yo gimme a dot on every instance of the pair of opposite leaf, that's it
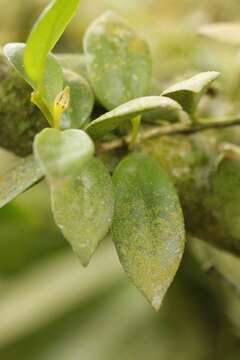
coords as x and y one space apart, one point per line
147 223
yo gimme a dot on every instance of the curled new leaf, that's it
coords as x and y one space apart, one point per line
189 92
81 100
128 111
148 227
44 36
62 153
25 174
118 60
226 32
83 207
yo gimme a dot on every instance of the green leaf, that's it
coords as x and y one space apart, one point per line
81 100
128 111
53 80
74 62
14 53
44 36
159 116
118 60
148 226
83 208
189 92
226 32
25 174
62 153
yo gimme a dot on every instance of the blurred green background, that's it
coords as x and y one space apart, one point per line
53 309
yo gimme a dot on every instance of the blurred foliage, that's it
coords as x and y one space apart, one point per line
50 308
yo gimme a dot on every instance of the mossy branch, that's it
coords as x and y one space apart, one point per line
20 120
207 180
174 129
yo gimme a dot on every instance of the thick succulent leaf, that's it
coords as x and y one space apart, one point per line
14 53
128 111
118 60
226 32
81 101
62 153
44 36
74 62
53 79
26 173
83 208
148 226
189 92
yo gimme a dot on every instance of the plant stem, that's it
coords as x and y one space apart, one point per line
136 122
37 100
179 128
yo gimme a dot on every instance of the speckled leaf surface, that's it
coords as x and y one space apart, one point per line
73 62
83 208
118 60
148 226
189 92
26 173
128 111
62 153
53 80
81 101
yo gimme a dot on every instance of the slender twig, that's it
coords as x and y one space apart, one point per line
173 129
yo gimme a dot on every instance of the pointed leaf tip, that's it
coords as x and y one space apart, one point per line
148 226
83 208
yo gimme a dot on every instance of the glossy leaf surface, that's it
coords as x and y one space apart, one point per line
148 227
189 92
128 111
83 208
118 60
62 153
44 36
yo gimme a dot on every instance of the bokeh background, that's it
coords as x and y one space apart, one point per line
53 309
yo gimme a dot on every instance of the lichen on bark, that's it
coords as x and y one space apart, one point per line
20 120
208 188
